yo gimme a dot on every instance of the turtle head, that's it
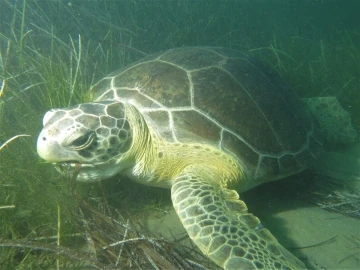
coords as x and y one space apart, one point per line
95 135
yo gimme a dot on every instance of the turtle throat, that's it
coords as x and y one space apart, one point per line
143 150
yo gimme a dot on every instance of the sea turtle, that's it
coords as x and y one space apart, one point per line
201 121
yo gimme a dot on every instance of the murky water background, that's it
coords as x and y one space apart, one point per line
53 51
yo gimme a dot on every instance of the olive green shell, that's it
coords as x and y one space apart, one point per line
222 97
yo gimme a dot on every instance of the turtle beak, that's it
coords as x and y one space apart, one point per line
50 149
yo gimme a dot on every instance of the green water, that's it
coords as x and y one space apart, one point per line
53 51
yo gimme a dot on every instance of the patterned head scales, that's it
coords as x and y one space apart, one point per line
90 133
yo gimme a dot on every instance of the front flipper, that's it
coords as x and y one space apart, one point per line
219 224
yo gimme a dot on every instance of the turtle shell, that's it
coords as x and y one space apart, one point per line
226 98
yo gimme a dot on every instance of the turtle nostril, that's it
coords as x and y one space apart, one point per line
44 138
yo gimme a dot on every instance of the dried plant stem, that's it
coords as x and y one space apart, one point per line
11 139
2 87
90 241
153 264
7 206
78 59
349 256
122 245
317 244
127 241
58 236
70 253
4 61
55 236
21 45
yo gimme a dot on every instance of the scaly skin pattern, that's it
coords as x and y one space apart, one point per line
216 220
214 217
219 224
202 122
198 174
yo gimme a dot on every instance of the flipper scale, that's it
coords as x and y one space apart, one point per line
219 224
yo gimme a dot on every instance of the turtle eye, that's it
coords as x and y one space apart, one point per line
82 142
